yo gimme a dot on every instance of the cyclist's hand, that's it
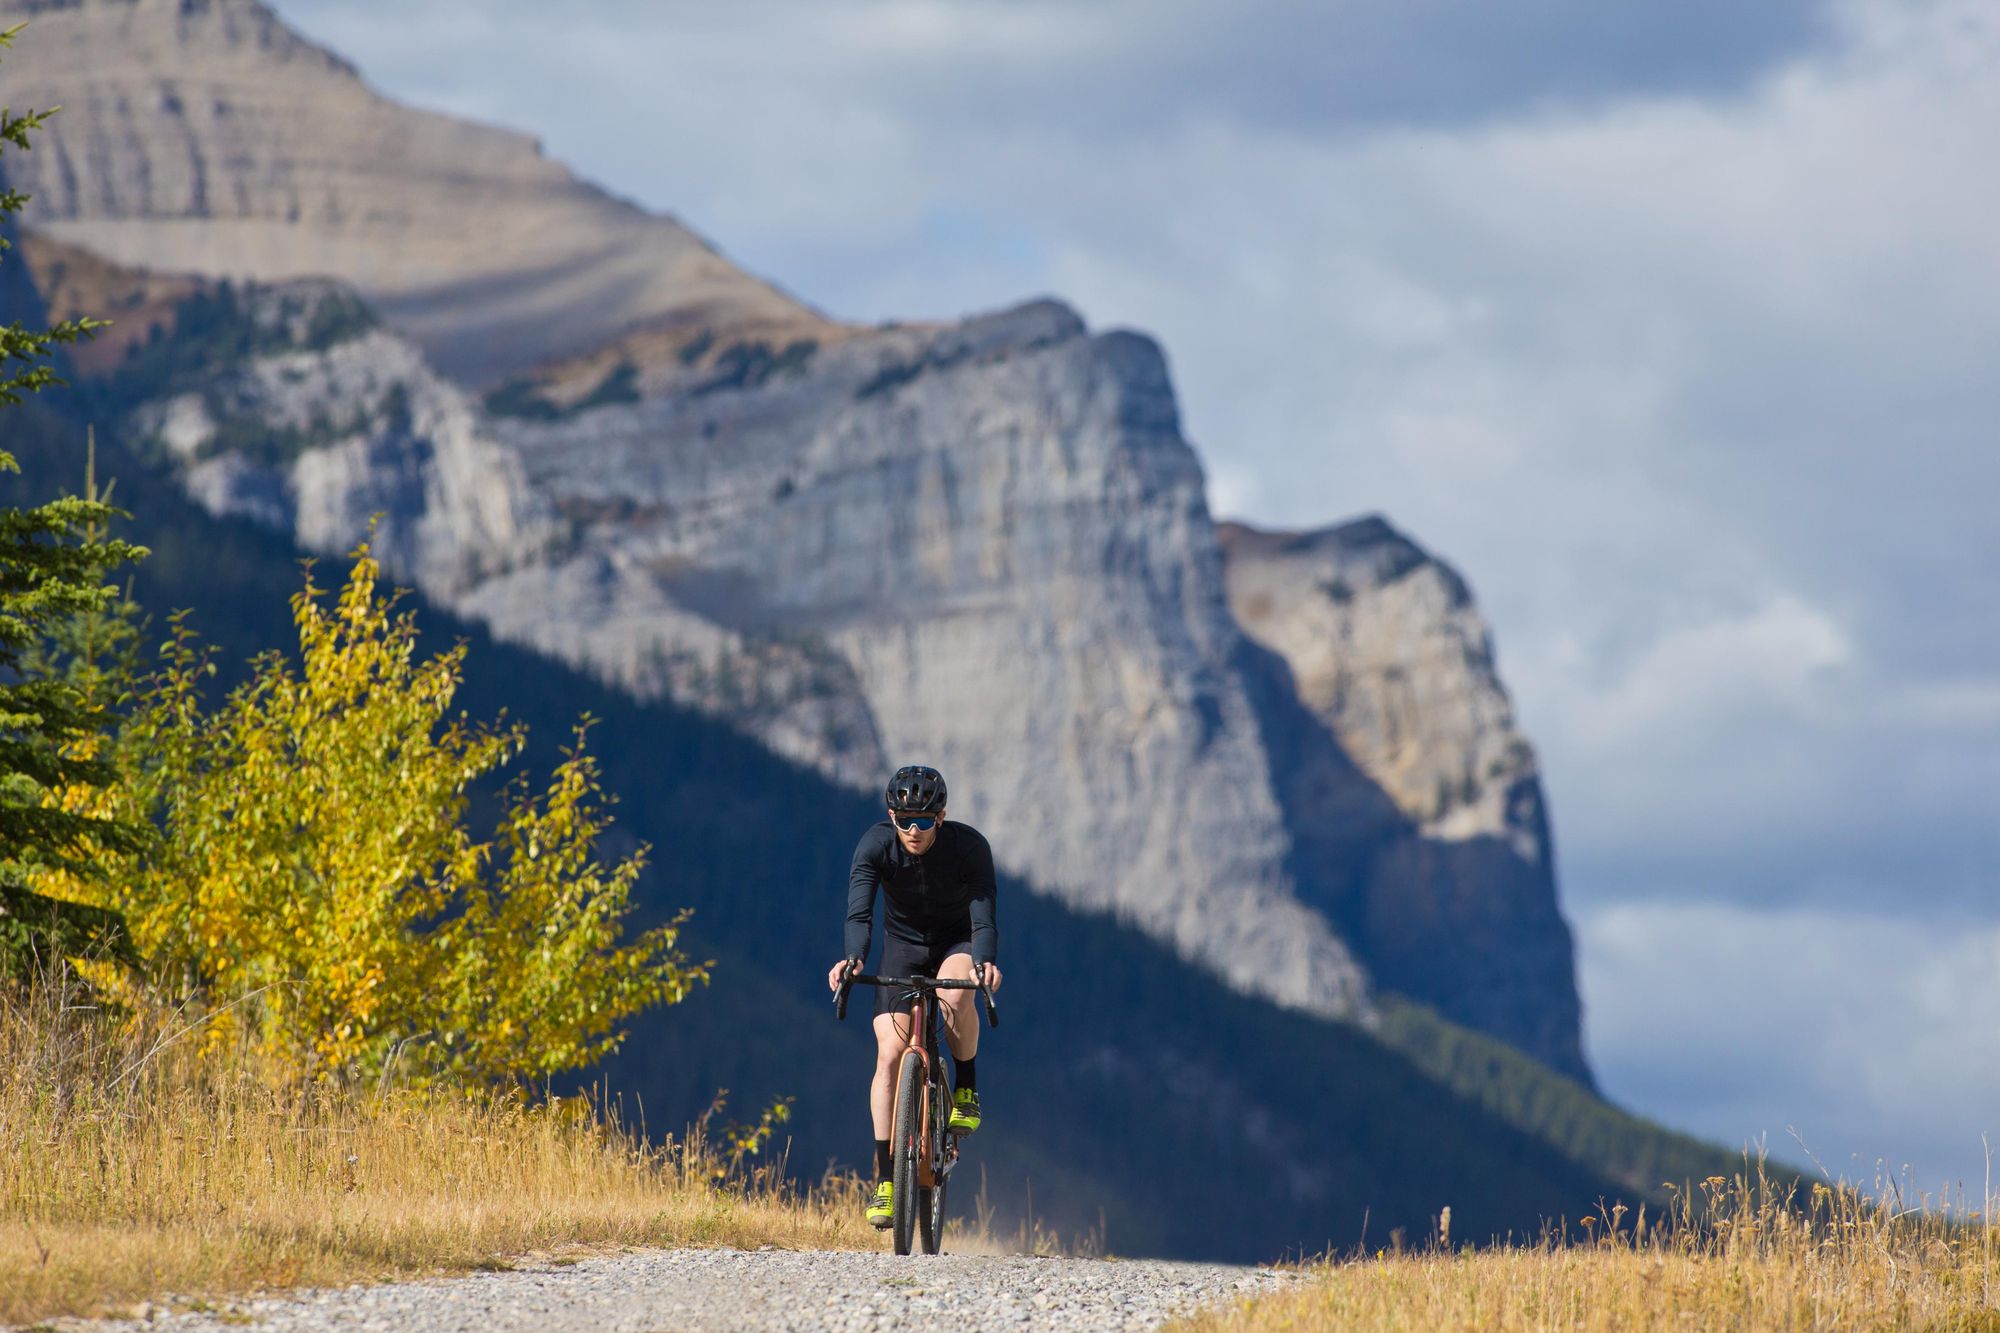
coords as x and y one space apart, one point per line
987 975
839 972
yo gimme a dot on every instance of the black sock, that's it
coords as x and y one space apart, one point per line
967 1078
882 1167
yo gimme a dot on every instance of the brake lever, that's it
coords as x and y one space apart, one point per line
840 996
992 1009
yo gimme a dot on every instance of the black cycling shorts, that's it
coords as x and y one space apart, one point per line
900 958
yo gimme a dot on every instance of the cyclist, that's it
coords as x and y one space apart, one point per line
936 880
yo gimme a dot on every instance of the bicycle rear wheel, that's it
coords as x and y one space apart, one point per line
905 1142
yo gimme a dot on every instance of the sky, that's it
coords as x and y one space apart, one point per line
1672 324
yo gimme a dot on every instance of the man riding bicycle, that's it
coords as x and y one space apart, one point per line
936 880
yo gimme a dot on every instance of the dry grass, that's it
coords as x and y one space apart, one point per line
129 1168
1746 1253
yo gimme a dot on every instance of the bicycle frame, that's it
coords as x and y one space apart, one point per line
935 1159
932 1158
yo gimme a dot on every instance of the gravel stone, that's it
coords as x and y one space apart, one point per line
741 1289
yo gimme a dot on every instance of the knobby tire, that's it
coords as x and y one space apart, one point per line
930 1202
930 1212
904 1146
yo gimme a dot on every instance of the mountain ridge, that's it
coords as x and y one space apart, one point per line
211 137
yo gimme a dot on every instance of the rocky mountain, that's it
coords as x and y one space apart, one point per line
984 545
205 136
1038 609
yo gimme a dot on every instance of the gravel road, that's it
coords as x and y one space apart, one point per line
738 1289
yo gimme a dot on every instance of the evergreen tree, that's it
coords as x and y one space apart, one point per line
53 562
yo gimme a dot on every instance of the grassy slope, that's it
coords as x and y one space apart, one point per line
133 1167
1124 1083
1745 1253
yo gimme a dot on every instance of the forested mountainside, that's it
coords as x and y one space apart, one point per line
1318 1127
984 543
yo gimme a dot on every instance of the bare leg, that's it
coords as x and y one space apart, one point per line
892 1038
961 1013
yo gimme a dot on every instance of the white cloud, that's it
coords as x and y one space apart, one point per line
1972 704
1701 675
1870 1035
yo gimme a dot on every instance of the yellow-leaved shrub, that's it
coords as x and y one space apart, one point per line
317 887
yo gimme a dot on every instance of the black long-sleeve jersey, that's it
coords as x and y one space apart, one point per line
946 891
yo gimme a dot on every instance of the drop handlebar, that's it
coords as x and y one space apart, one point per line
914 983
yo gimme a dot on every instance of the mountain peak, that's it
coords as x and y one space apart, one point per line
1388 652
1368 551
208 137
1366 533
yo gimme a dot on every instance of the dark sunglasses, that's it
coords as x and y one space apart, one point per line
915 823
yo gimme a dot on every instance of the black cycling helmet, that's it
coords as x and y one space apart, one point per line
915 790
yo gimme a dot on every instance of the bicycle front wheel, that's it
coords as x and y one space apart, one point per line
905 1143
930 1218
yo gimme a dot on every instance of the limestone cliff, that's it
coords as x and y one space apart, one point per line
985 546
1387 650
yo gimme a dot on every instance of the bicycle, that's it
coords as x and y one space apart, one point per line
922 1148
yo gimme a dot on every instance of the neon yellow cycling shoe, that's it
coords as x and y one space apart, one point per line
882 1208
964 1112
